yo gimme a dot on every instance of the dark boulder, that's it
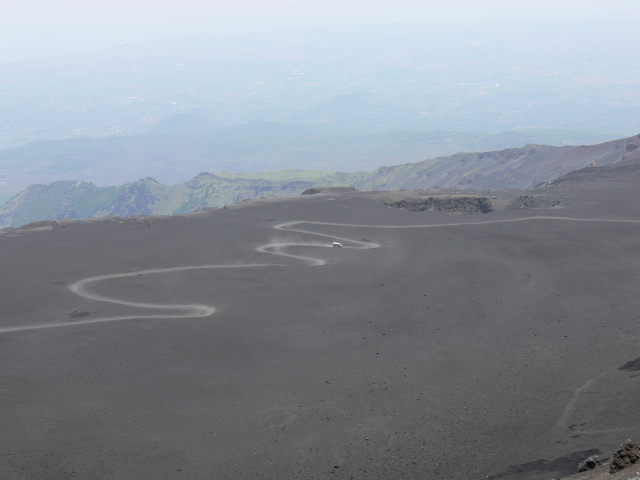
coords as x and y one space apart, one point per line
589 464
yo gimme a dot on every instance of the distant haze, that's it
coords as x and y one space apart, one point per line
41 28
317 85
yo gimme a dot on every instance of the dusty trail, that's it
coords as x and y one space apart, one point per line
80 287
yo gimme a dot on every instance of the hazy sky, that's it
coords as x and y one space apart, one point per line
41 28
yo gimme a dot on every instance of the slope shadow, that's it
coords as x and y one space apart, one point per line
562 466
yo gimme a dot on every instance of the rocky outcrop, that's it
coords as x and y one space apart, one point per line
457 204
627 454
525 201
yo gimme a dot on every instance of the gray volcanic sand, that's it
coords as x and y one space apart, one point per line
507 349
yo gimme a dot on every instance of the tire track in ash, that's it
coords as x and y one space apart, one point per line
274 248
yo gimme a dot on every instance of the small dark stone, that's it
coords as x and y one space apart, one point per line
589 464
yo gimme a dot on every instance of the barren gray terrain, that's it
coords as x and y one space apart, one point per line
237 343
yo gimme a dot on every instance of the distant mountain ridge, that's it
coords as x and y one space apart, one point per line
183 145
81 199
528 167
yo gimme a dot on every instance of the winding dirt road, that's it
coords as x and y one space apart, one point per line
174 311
